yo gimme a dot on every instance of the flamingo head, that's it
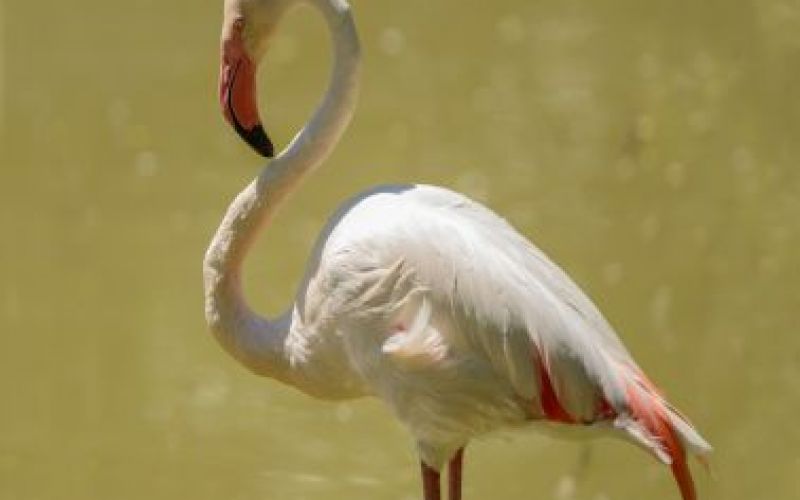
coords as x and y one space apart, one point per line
246 29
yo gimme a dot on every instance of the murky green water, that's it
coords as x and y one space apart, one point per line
650 147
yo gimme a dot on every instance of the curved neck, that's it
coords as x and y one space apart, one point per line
257 342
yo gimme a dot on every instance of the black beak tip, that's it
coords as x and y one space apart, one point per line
258 139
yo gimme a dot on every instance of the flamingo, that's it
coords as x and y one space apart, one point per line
418 295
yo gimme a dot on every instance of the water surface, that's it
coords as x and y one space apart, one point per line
649 147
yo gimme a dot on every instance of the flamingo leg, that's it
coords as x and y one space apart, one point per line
430 483
454 475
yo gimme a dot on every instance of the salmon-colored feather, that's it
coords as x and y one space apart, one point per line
647 408
551 406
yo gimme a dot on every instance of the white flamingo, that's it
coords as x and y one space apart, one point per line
418 295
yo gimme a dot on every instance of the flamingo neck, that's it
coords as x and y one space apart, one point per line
258 342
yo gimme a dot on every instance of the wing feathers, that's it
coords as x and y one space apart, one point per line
515 308
652 426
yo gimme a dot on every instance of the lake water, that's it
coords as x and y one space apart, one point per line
649 147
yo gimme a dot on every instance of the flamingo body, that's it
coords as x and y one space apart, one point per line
433 303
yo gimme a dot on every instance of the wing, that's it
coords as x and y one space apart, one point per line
512 303
533 322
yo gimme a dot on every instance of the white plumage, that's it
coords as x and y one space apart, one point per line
433 303
423 298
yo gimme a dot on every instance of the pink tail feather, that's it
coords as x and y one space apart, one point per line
649 419
648 409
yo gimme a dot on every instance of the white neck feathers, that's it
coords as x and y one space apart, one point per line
257 342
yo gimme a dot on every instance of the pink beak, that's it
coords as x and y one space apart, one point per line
237 95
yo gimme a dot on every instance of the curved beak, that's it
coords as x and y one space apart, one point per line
237 96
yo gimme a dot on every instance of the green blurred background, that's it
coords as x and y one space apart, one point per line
649 147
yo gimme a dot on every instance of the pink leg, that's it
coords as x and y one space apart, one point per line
430 483
454 475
